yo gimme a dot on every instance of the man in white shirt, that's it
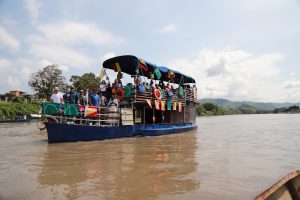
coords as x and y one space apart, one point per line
57 97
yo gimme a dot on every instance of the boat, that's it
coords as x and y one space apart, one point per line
140 110
287 188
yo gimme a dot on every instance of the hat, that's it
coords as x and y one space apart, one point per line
81 90
56 88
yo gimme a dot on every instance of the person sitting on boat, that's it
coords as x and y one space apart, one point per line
56 97
72 96
94 98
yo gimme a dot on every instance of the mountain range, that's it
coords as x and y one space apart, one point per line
240 104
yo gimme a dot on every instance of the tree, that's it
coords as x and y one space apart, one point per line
44 80
86 81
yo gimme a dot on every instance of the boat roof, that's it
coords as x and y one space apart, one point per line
128 64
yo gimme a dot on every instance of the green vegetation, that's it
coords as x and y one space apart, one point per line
86 81
291 109
210 109
44 80
9 110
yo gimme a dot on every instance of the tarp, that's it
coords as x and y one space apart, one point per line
129 65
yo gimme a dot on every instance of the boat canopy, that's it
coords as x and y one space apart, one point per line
132 65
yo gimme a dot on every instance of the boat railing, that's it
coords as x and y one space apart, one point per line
148 94
104 117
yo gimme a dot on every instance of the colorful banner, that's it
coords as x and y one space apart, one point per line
157 73
102 72
90 111
143 65
117 67
156 102
171 74
163 105
149 102
169 105
174 105
180 106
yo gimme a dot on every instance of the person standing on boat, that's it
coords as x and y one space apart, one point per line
57 97
72 96
82 98
94 98
102 93
108 92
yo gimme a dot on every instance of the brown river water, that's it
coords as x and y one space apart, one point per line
228 157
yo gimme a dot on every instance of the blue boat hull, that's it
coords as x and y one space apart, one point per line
58 132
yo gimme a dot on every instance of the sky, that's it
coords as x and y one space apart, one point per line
238 50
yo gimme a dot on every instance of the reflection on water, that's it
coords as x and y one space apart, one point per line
228 157
134 168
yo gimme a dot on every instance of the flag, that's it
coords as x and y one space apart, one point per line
102 73
171 74
163 105
174 105
90 111
117 67
143 65
157 73
149 102
169 105
156 102
180 106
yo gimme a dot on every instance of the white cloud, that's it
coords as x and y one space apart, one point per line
291 84
33 8
13 82
60 55
169 28
8 41
70 32
233 74
108 55
4 65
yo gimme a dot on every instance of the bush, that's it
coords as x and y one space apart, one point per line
11 110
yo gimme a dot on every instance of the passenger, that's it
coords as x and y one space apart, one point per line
169 90
152 84
113 107
103 87
118 82
57 97
139 79
82 98
162 85
108 92
94 98
147 86
72 96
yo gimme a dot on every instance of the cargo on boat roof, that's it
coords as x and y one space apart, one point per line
129 65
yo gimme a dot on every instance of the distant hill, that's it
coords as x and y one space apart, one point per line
247 104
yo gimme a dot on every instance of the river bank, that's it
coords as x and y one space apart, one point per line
12 110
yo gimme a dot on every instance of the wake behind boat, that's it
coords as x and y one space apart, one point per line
166 105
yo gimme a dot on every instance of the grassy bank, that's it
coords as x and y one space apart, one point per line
210 109
9 110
